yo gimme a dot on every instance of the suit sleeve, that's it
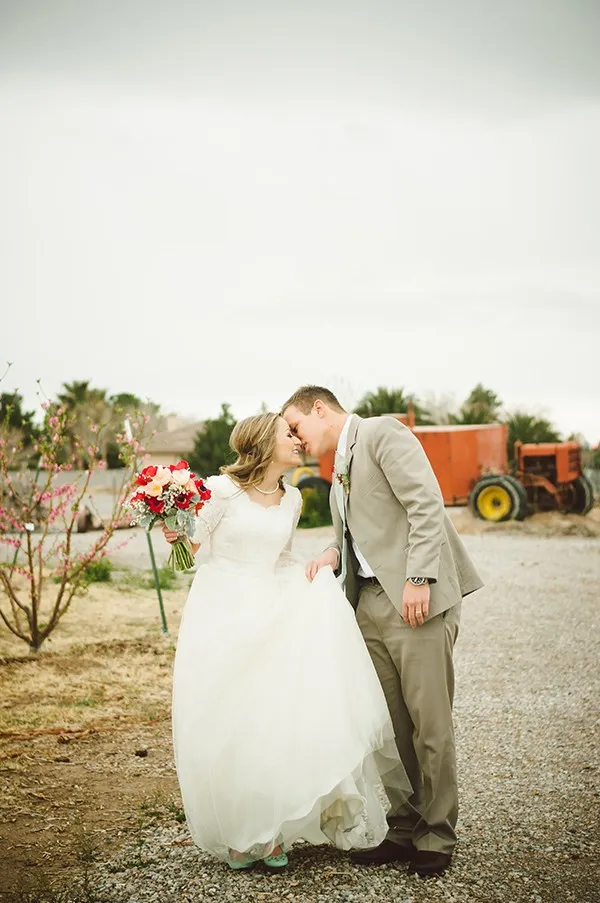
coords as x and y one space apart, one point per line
406 467
337 526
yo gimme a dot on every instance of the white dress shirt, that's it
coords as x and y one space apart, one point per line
363 570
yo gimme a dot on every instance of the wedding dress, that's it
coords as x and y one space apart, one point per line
280 726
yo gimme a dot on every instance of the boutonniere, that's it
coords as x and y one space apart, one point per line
343 478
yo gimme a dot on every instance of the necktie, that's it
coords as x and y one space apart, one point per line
340 467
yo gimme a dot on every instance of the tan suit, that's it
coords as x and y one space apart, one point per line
395 514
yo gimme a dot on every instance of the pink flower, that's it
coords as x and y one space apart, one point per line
153 489
163 475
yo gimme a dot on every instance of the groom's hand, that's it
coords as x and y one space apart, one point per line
330 557
415 603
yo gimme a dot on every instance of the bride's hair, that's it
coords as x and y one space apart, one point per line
253 441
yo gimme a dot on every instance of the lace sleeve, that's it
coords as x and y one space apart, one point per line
209 516
287 557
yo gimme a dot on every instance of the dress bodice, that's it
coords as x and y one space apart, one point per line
242 533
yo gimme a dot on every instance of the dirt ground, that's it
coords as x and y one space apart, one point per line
85 749
85 746
549 523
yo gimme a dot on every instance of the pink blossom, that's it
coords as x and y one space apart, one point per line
9 541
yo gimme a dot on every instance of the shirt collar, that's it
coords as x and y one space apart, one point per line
343 440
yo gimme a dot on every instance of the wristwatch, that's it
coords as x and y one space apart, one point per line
417 581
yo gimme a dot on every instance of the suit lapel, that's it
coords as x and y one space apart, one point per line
352 437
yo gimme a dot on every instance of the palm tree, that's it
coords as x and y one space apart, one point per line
89 411
78 393
390 401
482 406
529 428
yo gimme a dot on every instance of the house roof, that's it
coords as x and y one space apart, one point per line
178 441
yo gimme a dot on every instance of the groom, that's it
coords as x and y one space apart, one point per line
405 571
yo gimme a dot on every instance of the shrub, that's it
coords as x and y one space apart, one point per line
167 578
99 571
315 509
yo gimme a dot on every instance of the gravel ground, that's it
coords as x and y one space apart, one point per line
527 721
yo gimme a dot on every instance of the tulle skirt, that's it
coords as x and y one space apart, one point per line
281 729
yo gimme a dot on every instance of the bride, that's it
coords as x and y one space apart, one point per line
280 726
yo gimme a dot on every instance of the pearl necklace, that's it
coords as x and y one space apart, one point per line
268 491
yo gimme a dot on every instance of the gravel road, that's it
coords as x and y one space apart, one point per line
528 734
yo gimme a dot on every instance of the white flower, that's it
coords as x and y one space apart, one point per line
162 476
181 477
154 488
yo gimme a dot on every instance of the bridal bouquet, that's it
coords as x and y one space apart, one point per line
173 495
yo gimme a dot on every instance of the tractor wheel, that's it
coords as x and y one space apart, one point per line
316 483
497 498
315 501
582 496
84 521
301 473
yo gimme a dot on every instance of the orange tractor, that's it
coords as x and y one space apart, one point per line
471 466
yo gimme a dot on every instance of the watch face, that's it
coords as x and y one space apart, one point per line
418 581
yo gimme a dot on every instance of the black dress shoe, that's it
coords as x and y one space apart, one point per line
388 851
427 863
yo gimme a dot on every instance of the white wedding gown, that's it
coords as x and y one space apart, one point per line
280 727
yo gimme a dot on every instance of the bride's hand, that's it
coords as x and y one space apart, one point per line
330 557
170 535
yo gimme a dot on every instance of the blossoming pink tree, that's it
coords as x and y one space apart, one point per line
38 514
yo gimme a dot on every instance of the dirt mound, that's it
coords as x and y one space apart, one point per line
549 523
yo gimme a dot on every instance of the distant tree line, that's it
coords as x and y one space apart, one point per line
211 449
88 407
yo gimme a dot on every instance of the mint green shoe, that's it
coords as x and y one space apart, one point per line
276 862
237 864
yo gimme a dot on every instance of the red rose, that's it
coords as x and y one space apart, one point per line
138 497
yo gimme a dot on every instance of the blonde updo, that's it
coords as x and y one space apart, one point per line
253 440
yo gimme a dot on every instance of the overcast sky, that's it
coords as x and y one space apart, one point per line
218 201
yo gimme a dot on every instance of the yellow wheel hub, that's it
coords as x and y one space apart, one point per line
494 503
302 472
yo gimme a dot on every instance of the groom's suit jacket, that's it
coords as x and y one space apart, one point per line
396 516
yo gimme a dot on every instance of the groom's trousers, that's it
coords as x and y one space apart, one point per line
415 668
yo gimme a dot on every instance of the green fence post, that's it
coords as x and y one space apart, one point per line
165 629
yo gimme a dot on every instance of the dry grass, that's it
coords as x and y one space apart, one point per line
107 661
73 723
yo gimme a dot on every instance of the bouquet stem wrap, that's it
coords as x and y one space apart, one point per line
181 557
